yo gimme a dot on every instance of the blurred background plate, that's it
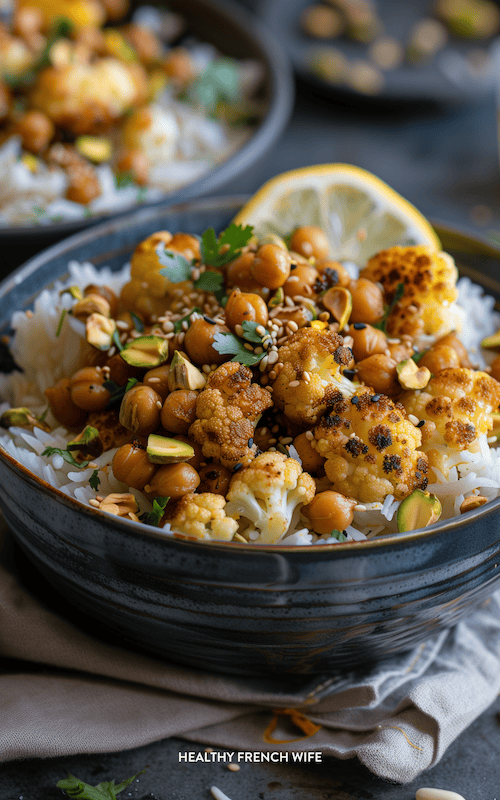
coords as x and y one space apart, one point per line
446 79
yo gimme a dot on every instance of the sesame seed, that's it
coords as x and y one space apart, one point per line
237 467
359 507
111 351
293 384
263 431
250 442
185 325
154 380
349 374
309 436
272 357
180 337
421 423
263 364
293 325
286 440
260 330
306 376
359 326
375 398
121 324
289 302
413 419
273 441
355 400
239 330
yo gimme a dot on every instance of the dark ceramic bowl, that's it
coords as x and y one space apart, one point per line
234 607
237 33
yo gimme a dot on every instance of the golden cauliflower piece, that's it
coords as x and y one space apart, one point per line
429 290
200 516
459 402
227 411
311 374
371 448
268 496
88 98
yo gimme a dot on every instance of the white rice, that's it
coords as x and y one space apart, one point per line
45 358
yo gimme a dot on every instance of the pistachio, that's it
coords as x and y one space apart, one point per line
100 331
91 304
418 510
492 341
146 351
164 450
184 375
277 298
22 418
95 148
87 443
338 301
411 376
470 503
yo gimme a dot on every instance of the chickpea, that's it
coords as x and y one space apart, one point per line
186 245
179 411
198 458
379 372
133 162
495 368
215 478
83 184
239 274
301 281
132 466
330 511
198 342
401 351
438 358
87 390
62 406
140 410
36 131
271 266
243 306
309 240
174 481
145 43
343 277
312 462
179 65
27 21
157 379
105 292
120 371
366 341
451 340
367 301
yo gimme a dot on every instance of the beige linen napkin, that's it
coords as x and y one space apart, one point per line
90 697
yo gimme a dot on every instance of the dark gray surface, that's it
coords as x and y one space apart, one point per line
446 162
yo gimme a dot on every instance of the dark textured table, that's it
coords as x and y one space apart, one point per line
446 162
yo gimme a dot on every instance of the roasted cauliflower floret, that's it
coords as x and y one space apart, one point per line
311 374
201 516
88 98
227 411
269 495
428 303
371 448
459 403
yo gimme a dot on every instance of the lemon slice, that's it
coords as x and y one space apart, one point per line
359 213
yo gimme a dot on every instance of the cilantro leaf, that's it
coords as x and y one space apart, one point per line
231 241
178 323
229 344
154 516
116 341
210 281
95 480
219 81
107 790
250 331
123 179
117 392
60 323
138 323
339 535
50 451
176 267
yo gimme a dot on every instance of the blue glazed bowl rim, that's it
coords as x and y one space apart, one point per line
139 529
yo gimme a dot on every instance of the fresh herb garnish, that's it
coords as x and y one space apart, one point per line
50 451
116 341
108 790
123 179
417 356
61 29
219 81
229 344
400 290
176 268
178 323
250 331
154 517
210 282
95 480
339 535
138 323
61 320
217 252
117 392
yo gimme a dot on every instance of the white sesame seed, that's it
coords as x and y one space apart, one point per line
273 441
260 330
272 357
293 384
263 364
286 440
293 325
121 324
415 420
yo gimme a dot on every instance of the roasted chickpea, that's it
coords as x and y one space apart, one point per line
438 358
87 390
379 372
27 21
198 342
215 478
140 410
301 281
198 458
120 371
271 266
174 481
179 411
329 511
338 274
366 340
239 274
186 245
36 131
367 301
451 340
133 162
179 66
243 306
132 466
157 379
83 184
309 240
312 462
105 292
62 406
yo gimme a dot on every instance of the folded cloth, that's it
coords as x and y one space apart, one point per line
91 697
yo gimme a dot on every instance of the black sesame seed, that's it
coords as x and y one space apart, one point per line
359 326
420 424
375 398
293 266
209 319
355 400
349 374
237 467
250 442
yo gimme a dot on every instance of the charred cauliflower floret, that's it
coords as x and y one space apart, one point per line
428 303
371 448
268 495
227 411
201 516
459 403
88 98
311 374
